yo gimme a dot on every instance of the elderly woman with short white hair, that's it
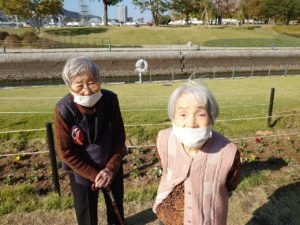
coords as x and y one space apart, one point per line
200 166
90 141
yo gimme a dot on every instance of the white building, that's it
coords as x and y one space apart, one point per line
123 14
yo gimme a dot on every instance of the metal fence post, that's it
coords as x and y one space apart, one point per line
52 155
286 70
233 72
214 72
172 74
271 106
269 73
4 50
252 70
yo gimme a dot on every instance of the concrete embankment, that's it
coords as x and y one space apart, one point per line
48 64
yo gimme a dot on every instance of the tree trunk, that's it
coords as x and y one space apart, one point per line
287 22
105 18
155 18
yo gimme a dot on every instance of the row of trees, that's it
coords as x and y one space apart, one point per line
282 11
35 11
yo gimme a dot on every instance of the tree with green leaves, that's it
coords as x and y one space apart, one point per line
186 8
289 10
32 12
250 9
157 8
224 8
107 3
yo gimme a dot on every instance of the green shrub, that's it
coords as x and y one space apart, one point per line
3 35
12 41
28 38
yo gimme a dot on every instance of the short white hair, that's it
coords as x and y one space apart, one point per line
199 91
79 65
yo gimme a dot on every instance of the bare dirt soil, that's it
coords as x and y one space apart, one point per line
141 166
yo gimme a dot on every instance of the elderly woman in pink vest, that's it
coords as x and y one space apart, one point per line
200 166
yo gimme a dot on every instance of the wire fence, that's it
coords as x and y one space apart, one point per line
234 140
20 76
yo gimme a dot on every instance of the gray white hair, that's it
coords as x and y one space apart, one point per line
200 92
79 65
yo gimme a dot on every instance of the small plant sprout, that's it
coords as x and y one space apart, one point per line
32 179
35 166
136 172
296 150
287 160
157 171
136 161
280 151
154 159
10 180
252 159
290 141
242 144
274 141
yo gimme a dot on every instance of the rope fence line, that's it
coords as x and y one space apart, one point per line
167 123
234 140
21 131
127 110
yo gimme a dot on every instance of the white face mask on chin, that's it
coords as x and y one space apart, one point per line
89 100
192 137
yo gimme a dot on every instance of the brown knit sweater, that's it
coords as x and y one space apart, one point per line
65 146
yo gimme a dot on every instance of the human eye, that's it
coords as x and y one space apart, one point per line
201 114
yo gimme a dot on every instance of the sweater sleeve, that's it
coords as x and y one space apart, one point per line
69 154
234 174
118 138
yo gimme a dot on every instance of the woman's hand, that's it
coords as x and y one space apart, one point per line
103 178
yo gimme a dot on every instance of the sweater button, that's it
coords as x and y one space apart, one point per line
189 207
189 221
189 192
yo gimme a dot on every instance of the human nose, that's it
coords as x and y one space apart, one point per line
86 91
191 122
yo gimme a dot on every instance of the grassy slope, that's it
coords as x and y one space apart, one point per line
248 36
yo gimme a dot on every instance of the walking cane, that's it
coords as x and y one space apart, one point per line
113 202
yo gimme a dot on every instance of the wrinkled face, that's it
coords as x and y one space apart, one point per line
189 113
84 85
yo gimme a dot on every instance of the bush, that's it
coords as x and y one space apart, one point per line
29 38
12 41
3 35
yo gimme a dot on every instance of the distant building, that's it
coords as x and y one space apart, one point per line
123 14
130 19
140 20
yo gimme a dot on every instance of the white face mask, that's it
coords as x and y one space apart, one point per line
192 137
87 101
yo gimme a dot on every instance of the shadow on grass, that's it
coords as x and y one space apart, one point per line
273 124
144 217
76 31
272 163
283 205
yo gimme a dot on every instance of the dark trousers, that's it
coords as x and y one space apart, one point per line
86 201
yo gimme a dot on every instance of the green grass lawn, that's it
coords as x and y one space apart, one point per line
217 36
147 104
